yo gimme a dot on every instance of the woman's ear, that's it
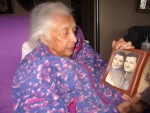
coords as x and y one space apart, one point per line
43 40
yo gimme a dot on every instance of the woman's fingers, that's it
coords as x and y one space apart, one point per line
122 44
126 97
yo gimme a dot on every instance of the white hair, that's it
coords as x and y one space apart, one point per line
41 20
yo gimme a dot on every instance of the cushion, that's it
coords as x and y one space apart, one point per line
14 31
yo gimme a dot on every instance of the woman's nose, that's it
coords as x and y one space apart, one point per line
73 38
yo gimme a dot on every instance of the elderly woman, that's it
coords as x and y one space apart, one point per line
62 73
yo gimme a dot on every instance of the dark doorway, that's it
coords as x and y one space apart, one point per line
84 14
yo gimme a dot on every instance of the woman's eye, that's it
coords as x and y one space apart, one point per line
65 33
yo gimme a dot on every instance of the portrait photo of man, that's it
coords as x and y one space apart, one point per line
129 68
116 72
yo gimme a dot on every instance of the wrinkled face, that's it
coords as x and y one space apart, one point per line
130 64
117 61
62 38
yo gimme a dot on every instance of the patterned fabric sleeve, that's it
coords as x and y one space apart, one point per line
44 83
35 91
96 65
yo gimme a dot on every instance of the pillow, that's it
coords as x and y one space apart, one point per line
14 31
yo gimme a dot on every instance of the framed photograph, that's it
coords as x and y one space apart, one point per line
124 70
5 7
143 6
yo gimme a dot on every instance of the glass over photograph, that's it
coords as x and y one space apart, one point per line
122 69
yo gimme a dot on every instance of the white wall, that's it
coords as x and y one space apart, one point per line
116 16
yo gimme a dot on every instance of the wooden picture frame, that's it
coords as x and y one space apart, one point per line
5 7
145 78
143 6
124 70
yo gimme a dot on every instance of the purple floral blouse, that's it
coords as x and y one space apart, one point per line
44 83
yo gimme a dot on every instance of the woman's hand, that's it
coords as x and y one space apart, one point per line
122 44
133 99
125 106
125 97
